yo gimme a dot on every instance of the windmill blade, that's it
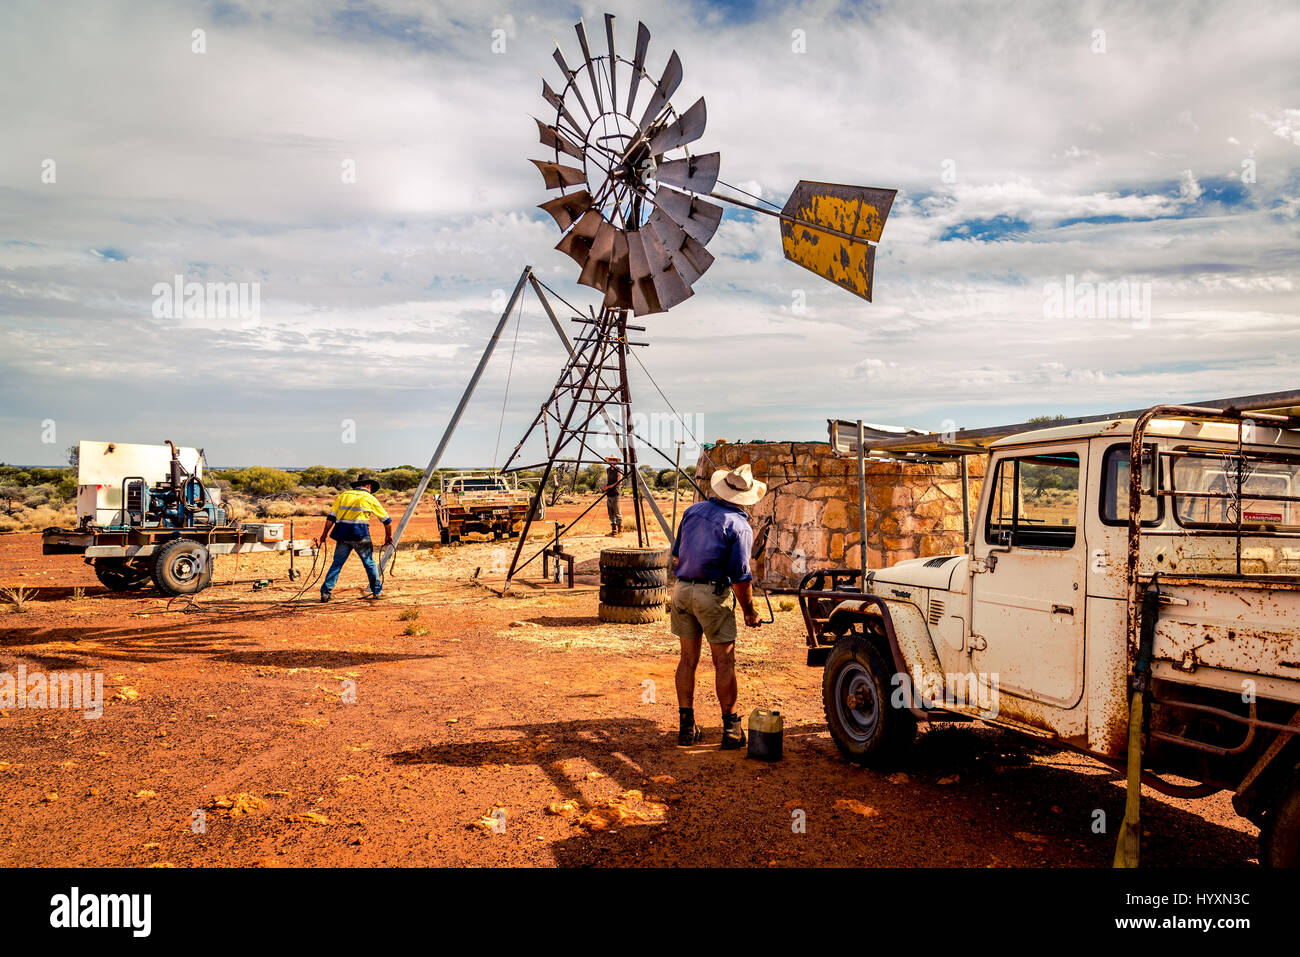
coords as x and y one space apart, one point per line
572 80
688 128
575 247
553 138
645 300
638 63
698 174
589 225
829 229
580 28
670 289
613 62
664 89
566 209
695 216
689 256
557 101
558 176
618 295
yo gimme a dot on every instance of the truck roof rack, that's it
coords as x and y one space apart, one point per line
922 447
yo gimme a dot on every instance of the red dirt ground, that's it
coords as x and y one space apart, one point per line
341 740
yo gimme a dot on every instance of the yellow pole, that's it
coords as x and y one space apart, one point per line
1128 847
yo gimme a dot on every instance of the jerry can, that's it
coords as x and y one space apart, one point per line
765 734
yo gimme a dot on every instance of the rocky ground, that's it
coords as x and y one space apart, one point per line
449 725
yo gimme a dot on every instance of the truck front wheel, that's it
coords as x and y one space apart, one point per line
856 687
1279 837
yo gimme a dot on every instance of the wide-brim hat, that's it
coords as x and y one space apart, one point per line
737 486
367 478
612 458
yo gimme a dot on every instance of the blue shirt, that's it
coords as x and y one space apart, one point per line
714 542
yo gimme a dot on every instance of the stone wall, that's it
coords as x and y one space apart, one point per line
809 517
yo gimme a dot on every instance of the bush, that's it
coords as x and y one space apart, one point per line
322 475
399 479
258 480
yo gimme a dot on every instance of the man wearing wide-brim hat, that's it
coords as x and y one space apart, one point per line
712 552
612 490
348 523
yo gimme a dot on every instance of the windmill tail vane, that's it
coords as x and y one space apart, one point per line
634 205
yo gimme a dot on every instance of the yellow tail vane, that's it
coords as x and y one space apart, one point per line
831 230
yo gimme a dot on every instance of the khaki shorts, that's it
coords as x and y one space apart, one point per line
699 612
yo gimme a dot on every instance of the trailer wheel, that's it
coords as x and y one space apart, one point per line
856 698
182 567
1279 837
117 574
444 536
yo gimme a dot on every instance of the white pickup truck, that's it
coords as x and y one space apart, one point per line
1084 590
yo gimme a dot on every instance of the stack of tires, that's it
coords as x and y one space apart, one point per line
634 585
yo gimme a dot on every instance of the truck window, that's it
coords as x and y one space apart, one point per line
1114 487
1034 502
1205 492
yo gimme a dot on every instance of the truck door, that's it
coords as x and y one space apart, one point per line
1028 607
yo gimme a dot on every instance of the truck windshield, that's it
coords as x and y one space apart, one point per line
1206 491
1034 501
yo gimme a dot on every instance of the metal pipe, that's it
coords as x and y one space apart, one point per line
862 498
455 421
677 473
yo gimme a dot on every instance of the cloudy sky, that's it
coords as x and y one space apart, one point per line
1036 147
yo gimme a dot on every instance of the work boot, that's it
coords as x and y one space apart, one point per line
324 596
688 732
733 735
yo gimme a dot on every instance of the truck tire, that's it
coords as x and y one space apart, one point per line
1279 837
856 690
444 536
117 574
182 567
634 577
634 558
614 595
630 614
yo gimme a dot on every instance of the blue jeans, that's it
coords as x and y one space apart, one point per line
365 551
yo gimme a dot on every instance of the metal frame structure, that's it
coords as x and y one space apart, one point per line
592 388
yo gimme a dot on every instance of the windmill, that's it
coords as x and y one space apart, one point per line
636 210
634 201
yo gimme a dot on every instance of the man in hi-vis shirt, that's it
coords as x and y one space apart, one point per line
350 520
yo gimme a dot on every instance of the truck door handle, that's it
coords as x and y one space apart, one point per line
1063 610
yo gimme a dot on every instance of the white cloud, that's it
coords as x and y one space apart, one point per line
377 296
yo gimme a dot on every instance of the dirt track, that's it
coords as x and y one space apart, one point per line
248 699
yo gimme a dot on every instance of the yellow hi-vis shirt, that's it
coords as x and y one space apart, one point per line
351 513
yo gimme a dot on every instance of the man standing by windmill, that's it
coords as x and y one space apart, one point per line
712 552
349 518
613 494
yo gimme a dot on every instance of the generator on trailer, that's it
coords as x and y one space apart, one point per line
145 515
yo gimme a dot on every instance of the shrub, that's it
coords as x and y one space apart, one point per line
259 480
